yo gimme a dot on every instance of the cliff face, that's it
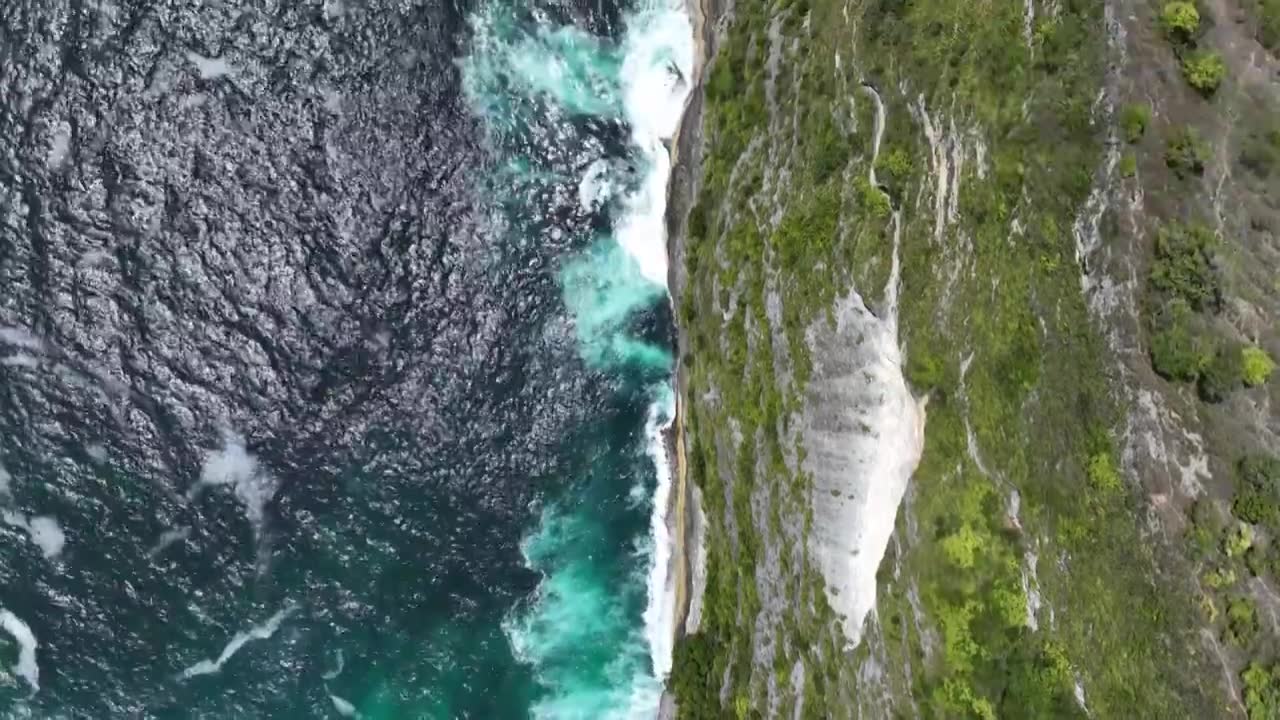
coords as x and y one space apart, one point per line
1043 236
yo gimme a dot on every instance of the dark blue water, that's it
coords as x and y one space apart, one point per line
332 358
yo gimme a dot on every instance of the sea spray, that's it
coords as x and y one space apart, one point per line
659 613
598 633
658 61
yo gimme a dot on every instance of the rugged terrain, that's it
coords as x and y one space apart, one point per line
1046 234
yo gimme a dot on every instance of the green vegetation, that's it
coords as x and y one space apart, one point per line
1242 621
1256 366
1128 165
1033 362
1204 70
1262 691
1223 374
1260 152
1183 267
1185 293
1134 120
1258 492
1180 21
1268 12
1179 349
1185 153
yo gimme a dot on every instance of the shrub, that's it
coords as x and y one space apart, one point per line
1180 21
1269 24
1184 265
1185 153
1128 165
1205 70
1238 541
872 199
1134 120
892 171
1102 473
1256 366
1218 579
1242 621
1260 152
1223 374
925 370
1257 497
1205 528
1178 351
1262 691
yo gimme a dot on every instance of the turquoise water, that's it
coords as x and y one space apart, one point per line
584 631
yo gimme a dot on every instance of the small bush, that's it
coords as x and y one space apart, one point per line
1262 691
1185 153
1180 21
1205 528
925 370
1242 621
1269 24
1238 541
872 199
1223 374
1205 71
892 171
1184 265
1134 120
1128 165
1102 473
1260 152
1178 350
1257 497
1256 366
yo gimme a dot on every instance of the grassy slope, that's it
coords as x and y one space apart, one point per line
999 285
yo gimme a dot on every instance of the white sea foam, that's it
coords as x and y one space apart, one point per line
596 187
96 452
658 60
167 538
344 707
210 68
659 614
60 143
43 530
233 465
26 667
5 480
257 632
20 338
656 66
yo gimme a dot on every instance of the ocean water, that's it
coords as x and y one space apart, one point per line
334 358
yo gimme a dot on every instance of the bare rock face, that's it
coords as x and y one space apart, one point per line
864 432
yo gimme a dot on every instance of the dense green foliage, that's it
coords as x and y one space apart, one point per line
1185 153
1223 374
1204 70
1184 265
1268 12
1185 292
1134 120
1258 492
1180 21
1260 151
1262 691
1256 366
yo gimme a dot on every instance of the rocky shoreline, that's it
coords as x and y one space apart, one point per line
684 510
